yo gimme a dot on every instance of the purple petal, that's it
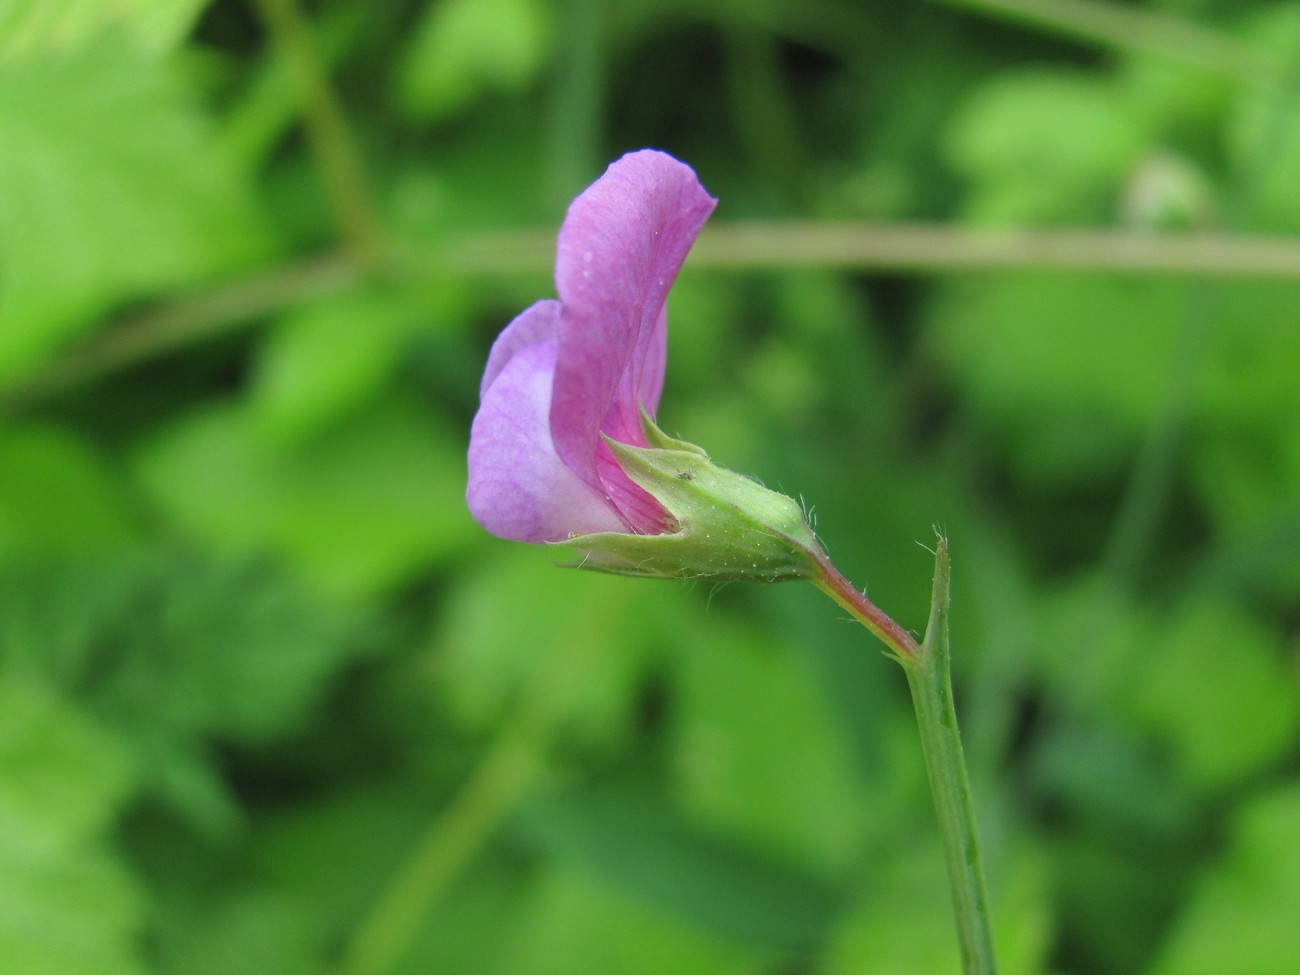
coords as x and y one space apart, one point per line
518 486
536 323
623 241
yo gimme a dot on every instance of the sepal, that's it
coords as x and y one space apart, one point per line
730 528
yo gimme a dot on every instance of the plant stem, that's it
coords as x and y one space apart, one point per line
930 681
902 647
929 677
513 768
903 248
443 852
327 130
1145 32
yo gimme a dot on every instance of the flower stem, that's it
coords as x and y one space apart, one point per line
931 683
902 647
929 677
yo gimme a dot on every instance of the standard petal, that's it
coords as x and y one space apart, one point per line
518 487
623 241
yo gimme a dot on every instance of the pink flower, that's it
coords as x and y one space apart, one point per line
566 372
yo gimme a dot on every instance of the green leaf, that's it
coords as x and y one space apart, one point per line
62 778
1105 777
636 843
1180 678
114 189
328 358
77 913
360 508
58 495
1262 132
227 649
1115 892
237 931
757 751
464 48
578 924
1241 917
66 907
1072 368
1211 668
493 644
1043 146
29 27
903 926
177 653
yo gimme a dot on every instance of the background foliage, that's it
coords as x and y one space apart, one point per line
271 702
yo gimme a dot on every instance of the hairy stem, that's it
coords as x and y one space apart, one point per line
929 677
930 681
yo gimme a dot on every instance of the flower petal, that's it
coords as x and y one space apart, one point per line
518 486
620 248
536 323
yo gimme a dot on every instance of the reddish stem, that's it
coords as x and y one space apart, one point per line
902 645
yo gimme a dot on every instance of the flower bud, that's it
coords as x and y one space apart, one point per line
729 527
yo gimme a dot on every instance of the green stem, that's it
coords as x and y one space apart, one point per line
442 854
1145 32
913 249
931 683
929 677
513 767
327 130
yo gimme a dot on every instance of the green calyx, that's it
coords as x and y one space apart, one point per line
729 527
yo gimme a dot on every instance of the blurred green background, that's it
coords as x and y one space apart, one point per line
270 702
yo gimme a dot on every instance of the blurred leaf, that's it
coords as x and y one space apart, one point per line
1180 104
1205 681
1073 368
238 932
634 842
358 509
1262 132
76 913
757 751
903 925
199 646
1107 779
113 189
227 649
174 653
488 655
57 494
66 906
62 778
53 610
576 924
334 855
1115 894
1216 685
1241 917
326 359
30 27
1246 466
267 108
463 48
1043 146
